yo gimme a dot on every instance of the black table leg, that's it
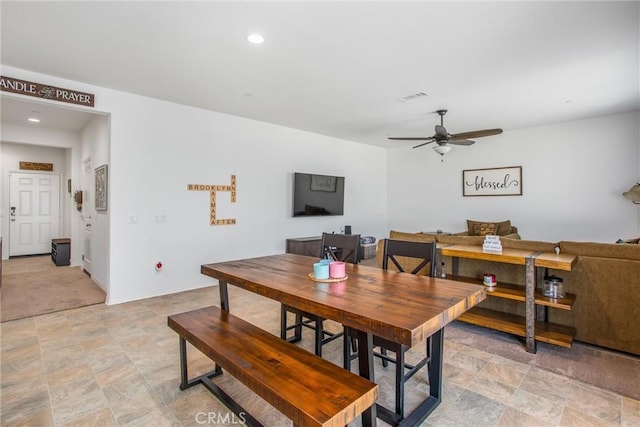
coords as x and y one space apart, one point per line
224 295
365 362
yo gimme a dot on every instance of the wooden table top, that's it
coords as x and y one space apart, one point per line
401 307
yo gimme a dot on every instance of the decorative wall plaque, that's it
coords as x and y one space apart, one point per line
102 188
492 182
35 166
38 90
212 189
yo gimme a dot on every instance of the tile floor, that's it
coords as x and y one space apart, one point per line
118 366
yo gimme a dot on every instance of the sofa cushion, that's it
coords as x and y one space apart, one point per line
415 237
601 250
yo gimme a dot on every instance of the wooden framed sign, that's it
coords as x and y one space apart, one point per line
35 166
39 90
492 182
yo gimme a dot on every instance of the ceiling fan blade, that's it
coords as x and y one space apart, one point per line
461 142
424 143
413 138
476 133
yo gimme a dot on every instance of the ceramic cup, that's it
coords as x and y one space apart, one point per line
321 270
336 270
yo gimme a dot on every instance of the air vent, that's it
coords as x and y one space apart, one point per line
410 97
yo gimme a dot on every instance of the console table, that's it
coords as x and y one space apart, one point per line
309 246
533 326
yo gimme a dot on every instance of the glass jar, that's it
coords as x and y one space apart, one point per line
553 287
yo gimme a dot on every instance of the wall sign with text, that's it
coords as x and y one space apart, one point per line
492 182
212 189
39 90
35 166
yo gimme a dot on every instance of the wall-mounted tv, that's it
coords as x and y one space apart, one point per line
317 195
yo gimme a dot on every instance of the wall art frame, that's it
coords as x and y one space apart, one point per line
102 188
504 181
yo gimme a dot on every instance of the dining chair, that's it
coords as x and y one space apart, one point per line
337 247
405 257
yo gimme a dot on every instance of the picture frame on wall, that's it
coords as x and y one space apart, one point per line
506 181
102 188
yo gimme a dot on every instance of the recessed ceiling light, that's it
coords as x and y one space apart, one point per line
255 39
34 117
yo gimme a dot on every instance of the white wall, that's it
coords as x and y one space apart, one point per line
158 148
155 149
574 174
94 145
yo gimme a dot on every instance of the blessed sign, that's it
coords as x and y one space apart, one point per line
38 90
492 182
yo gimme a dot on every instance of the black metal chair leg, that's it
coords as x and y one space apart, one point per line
385 362
298 330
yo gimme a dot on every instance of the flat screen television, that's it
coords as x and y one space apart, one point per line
317 195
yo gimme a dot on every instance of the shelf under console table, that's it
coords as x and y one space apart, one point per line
533 326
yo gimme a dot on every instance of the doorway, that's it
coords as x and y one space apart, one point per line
34 212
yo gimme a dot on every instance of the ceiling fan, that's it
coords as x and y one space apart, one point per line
443 138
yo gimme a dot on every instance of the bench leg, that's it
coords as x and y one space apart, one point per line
205 380
185 382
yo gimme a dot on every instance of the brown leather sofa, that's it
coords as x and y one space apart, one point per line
605 280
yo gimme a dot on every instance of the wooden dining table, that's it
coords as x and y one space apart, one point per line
400 307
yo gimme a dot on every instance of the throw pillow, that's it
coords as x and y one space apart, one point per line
482 229
501 228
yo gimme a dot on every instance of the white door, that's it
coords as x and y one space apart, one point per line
34 212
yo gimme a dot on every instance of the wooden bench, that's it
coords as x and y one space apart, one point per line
309 390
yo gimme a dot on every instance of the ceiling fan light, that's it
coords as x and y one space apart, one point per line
442 149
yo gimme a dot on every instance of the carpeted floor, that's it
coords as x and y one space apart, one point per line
34 285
